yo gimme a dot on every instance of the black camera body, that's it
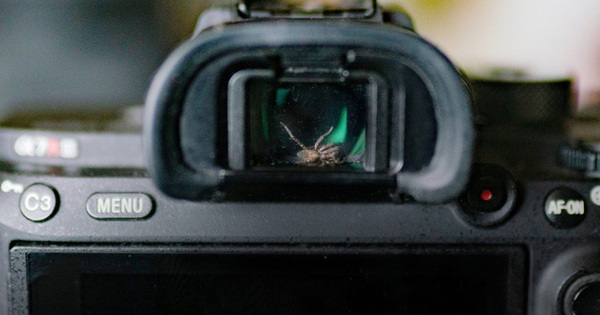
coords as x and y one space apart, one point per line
299 163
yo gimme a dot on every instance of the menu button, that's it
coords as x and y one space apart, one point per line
119 205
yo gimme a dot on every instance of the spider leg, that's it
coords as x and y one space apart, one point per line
327 146
292 136
322 137
329 149
331 155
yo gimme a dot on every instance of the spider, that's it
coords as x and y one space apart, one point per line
317 155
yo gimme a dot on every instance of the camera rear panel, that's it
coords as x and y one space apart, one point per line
384 220
84 229
373 250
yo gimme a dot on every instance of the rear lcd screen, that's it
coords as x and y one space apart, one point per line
236 283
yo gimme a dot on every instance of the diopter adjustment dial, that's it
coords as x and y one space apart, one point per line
581 156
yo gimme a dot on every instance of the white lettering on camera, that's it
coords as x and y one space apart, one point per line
34 202
571 207
120 205
46 147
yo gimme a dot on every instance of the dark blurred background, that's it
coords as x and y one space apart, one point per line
97 55
73 55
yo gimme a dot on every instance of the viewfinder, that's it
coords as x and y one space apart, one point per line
310 121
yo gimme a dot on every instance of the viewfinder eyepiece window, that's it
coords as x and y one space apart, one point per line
310 121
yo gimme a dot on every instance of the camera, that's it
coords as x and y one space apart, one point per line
306 159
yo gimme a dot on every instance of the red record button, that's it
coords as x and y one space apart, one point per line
486 195
490 196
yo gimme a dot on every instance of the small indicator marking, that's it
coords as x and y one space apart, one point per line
46 147
486 195
595 195
8 186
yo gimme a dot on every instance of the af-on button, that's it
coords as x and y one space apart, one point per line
564 208
126 206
